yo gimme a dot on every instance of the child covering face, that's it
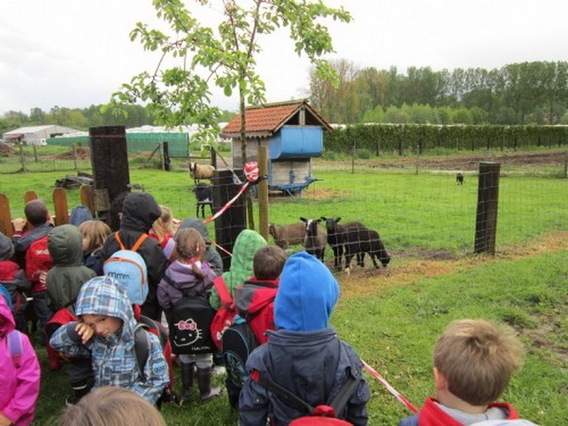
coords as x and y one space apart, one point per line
106 328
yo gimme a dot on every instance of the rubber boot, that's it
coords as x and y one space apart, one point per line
187 369
204 383
79 390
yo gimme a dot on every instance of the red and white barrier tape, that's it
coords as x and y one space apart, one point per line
392 390
223 249
226 206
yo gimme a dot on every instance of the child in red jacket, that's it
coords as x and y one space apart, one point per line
255 298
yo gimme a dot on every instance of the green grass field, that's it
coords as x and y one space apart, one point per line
416 215
427 223
395 327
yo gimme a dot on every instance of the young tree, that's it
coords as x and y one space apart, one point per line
223 55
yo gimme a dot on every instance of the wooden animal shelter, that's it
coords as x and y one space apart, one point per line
293 134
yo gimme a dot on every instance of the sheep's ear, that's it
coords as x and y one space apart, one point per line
303 219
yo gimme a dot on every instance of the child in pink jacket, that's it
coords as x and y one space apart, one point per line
19 374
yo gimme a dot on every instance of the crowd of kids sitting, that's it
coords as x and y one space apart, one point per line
100 298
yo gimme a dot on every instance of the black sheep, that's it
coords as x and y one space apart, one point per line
361 240
336 239
204 195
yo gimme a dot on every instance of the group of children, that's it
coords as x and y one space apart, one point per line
96 330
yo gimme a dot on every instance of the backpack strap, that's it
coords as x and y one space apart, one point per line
141 348
224 295
284 394
331 409
345 393
15 347
136 245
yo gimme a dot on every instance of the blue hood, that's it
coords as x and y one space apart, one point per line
306 295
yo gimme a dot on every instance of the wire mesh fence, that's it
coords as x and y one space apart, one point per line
417 211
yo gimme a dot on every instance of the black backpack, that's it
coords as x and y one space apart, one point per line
238 342
190 323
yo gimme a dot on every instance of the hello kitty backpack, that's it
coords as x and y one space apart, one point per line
189 324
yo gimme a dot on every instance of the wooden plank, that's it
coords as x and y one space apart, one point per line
61 209
5 216
263 210
88 197
29 196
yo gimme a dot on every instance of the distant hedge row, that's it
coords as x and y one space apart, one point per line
400 138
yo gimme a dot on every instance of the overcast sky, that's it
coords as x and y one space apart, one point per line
74 53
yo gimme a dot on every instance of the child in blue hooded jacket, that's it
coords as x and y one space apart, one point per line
106 329
304 355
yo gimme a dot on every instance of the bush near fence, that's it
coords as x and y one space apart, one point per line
401 138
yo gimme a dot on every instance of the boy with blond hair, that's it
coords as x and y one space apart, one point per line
473 363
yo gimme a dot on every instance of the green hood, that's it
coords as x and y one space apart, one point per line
65 245
246 245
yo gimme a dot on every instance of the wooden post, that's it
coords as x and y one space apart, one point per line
213 154
229 225
166 162
5 217
487 204
88 198
566 165
35 154
353 154
263 211
109 159
60 206
75 156
22 157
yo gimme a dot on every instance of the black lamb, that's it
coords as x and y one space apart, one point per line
361 240
336 239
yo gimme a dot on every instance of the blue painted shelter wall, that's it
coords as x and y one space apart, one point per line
297 142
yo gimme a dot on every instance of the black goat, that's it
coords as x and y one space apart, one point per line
316 239
361 240
204 195
336 239
459 178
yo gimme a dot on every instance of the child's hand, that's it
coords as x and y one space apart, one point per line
85 331
19 224
4 421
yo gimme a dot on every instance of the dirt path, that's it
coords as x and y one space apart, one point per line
462 161
367 281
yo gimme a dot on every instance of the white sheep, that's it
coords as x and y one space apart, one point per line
201 171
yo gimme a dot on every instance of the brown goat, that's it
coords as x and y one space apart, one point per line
287 235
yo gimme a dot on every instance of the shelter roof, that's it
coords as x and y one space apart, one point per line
266 120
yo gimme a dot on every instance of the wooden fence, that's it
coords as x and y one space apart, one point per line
60 205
